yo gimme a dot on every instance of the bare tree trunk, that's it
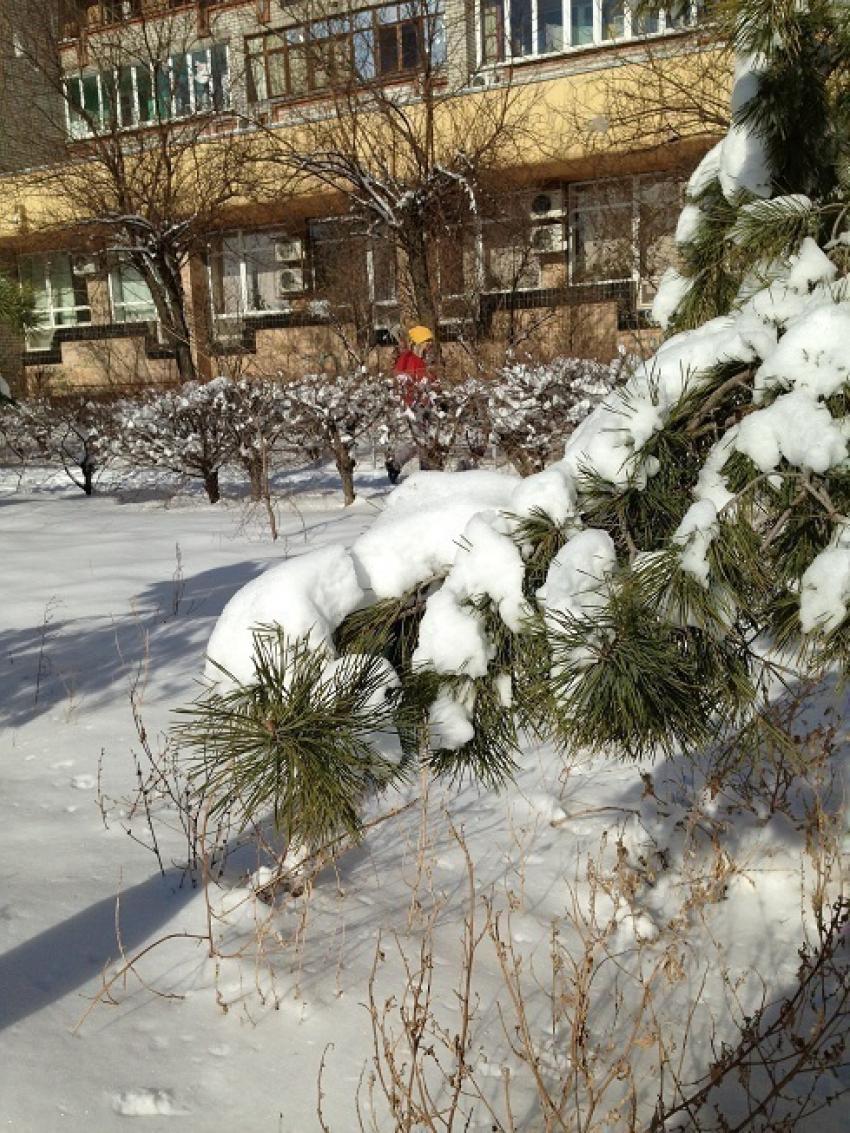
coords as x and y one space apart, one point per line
345 464
415 245
166 287
257 478
211 485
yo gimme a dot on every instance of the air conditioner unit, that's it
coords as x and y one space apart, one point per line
290 280
486 79
84 265
546 204
547 239
646 293
287 250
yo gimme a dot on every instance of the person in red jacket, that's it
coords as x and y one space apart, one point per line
412 371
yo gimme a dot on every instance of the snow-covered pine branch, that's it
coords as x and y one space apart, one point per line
628 596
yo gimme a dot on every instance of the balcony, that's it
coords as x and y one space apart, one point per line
78 16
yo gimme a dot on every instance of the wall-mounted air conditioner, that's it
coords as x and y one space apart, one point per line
84 265
288 249
290 280
546 204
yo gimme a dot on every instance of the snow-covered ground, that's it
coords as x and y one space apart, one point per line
675 895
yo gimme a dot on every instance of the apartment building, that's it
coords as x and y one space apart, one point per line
303 177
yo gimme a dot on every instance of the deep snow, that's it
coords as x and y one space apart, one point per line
115 597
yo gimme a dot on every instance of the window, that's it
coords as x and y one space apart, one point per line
509 264
526 233
383 279
253 273
622 230
137 94
399 39
87 109
114 11
658 206
519 29
257 273
601 232
349 265
130 295
61 296
392 40
340 258
298 60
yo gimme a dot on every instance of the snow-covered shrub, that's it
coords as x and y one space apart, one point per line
533 407
258 413
333 413
424 417
188 431
75 431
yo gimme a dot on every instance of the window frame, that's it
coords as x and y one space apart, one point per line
121 309
640 188
48 321
163 88
498 21
234 244
270 55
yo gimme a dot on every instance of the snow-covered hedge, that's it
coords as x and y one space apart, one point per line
189 431
74 431
533 407
255 422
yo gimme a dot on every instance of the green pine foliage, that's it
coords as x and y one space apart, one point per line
297 741
710 261
630 680
672 647
17 305
801 110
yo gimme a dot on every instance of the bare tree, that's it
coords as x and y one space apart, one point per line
671 91
71 430
400 136
141 176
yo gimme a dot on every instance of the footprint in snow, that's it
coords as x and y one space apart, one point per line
147 1102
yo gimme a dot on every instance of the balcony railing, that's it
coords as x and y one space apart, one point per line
77 16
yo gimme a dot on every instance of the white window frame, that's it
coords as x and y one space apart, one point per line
78 127
637 185
77 314
128 310
598 36
236 242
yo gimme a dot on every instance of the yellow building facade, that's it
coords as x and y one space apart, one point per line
284 156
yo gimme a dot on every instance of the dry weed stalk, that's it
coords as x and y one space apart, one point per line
638 1021
422 1075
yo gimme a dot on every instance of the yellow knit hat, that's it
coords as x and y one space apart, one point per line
419 335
